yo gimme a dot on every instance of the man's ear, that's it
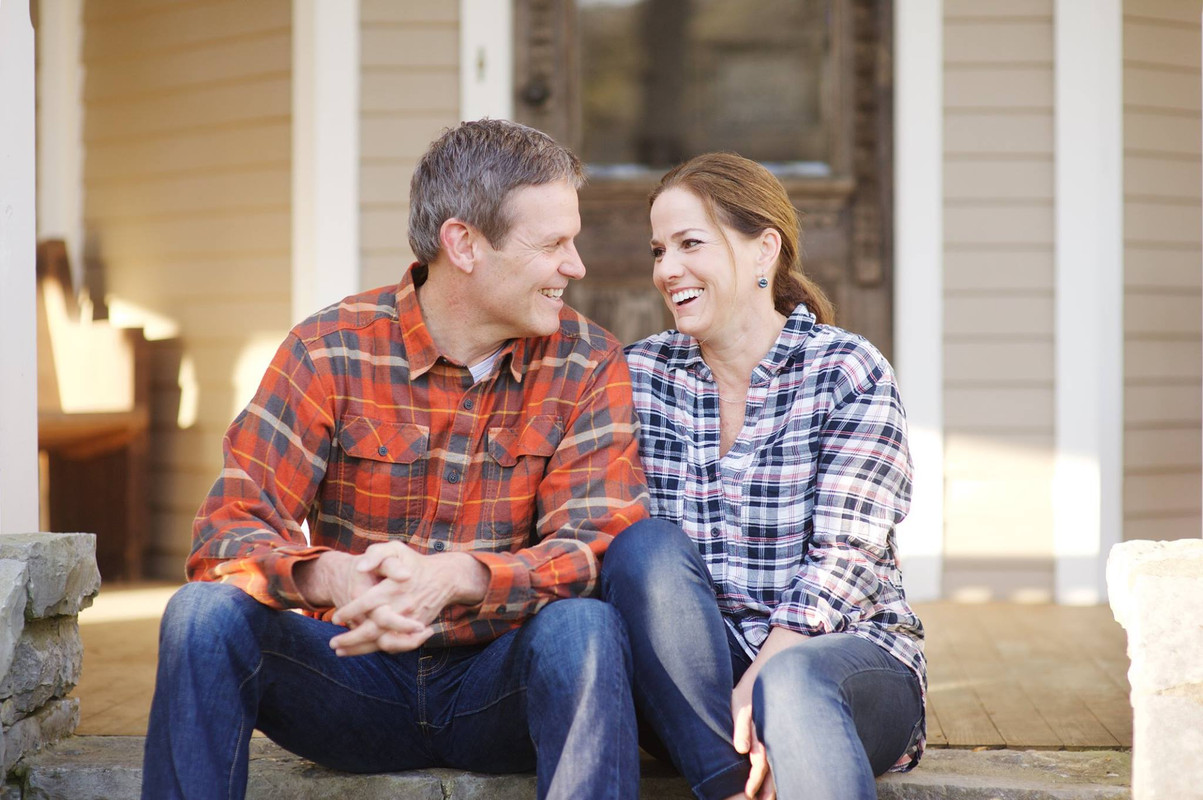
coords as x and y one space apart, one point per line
461 242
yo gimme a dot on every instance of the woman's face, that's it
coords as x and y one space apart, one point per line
704 271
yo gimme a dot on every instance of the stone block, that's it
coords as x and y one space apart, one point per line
12 609
46 665
1167 746
53 722
62 574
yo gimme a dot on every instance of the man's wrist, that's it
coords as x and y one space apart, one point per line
471 580
313 578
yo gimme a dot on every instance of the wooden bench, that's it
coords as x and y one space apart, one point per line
93 419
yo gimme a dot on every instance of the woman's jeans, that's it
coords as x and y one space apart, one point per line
553 696
833 712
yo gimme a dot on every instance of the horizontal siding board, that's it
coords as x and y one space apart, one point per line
993 269
999 408
1162 405
998 9
411 11
187 152
998 180
1147 42
999 223
261 100
1163 314
218 62
1030 316
1161 134
1170 494
1151 360
190 194
1163 449
399 136
1162 10
1173 90
1172 179
978 454
187 25
426 91
998 41
384 227
385 183
994 363
410 47
1174 223
1158 268
986 133
1186 526
199 280
997 88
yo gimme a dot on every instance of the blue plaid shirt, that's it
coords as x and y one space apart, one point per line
796 522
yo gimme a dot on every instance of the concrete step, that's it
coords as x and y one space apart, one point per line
110 768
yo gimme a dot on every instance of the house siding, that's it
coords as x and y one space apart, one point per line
409 93
187 137
1163 283
999 302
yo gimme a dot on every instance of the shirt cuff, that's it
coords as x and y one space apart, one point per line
509 592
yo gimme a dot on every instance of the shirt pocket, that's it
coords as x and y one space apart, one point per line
381 480
515 464
666 463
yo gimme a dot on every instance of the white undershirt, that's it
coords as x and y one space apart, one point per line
484 366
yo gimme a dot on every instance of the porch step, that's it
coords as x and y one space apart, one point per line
110 768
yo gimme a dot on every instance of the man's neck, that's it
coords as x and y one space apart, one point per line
451 319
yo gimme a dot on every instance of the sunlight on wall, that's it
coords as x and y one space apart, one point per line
189 393
249 367
155 326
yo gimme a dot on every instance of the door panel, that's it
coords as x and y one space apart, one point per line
804 86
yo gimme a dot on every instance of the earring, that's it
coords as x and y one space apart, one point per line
763 283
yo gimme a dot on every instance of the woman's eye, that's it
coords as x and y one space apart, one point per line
688 244
657 253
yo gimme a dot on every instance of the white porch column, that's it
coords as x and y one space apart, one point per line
325 153
60 127
18 325
486 57
1087 512
919 280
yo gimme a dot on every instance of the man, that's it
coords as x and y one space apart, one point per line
463 448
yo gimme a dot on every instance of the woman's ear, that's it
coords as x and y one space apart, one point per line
459 241
768 248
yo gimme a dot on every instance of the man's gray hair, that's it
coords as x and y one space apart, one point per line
469 172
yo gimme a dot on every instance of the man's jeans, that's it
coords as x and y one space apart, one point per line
553 696
833 711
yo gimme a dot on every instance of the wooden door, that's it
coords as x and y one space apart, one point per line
636 86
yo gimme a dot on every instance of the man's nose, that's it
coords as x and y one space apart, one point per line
572 266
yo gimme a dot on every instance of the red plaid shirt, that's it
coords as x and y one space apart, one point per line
361 427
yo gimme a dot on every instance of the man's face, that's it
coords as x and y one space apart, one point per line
520 283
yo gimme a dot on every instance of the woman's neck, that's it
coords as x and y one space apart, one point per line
732 357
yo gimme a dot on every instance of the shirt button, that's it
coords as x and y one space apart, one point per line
500 609
715 532
468 403
440 546
382 450
452 476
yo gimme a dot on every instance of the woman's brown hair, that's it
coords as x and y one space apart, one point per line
746 197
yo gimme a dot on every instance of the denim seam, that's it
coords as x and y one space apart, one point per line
487 706
339 684
241 728
697 789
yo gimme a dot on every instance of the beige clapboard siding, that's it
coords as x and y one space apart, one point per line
409 93
187 128
998 284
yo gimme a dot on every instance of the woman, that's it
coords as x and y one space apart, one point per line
777 442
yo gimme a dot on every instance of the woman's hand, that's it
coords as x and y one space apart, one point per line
760 780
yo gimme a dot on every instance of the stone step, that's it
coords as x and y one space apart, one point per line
110 768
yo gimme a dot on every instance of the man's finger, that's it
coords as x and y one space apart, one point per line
759 771
392 642
395 569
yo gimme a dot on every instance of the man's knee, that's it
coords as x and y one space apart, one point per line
644 550
579 638
205 612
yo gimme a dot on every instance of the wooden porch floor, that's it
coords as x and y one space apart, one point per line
1001 675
